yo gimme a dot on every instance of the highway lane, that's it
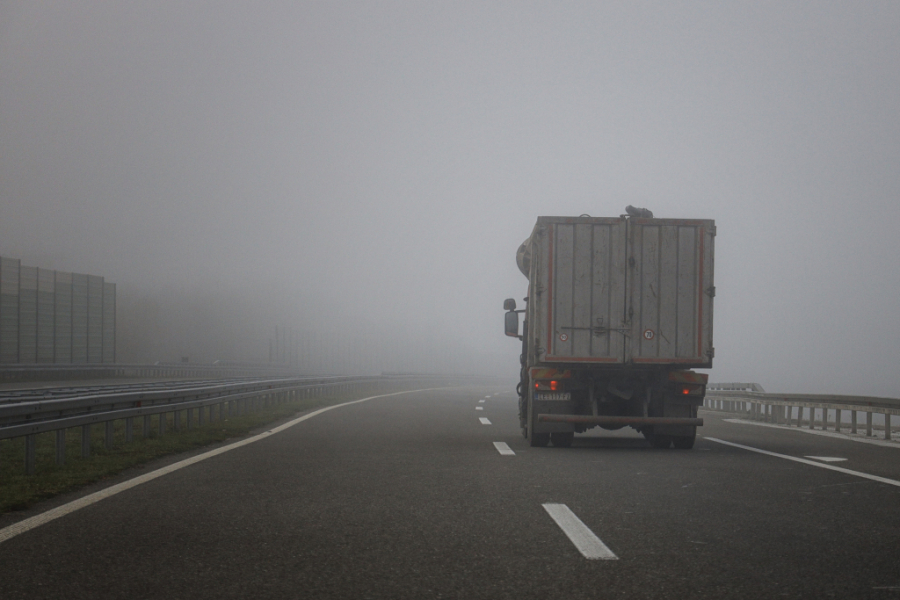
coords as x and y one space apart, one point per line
409 497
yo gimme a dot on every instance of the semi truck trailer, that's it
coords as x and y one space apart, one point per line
619 311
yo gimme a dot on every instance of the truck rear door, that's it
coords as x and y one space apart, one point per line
581 271
669 292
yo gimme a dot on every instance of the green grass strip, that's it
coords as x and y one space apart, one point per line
19 491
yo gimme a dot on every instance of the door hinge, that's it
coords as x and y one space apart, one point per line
711 291
711 352
712 231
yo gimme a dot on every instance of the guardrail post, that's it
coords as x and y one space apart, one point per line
837 420
30 443
162 424
869 423
108 438
200 419
129 430
60 446
190 417
852 421
812 417
146 426
887 426
176 420
85 441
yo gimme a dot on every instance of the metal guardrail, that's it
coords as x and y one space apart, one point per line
56 372
792 409
741 387
210 401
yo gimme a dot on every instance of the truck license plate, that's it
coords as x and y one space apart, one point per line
553 396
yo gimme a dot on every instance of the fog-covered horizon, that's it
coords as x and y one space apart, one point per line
364 172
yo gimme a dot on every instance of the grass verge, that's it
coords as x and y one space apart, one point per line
19 491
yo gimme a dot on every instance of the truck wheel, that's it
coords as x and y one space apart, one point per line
684 442
660 441
562 439
539 440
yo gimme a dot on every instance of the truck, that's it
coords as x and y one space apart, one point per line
619 311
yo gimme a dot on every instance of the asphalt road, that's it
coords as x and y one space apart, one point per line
408 497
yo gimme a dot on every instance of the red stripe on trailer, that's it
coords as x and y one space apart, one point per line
700 296
582 359
550 336
669 361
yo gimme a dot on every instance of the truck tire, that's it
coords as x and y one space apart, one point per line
660 441
562 439
539 440
684 442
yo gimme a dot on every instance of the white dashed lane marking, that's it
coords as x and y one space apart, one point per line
590 546
479 408
481 402
484 421
504 449
808 462
827 458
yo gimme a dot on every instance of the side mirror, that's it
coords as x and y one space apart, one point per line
511 323
509 304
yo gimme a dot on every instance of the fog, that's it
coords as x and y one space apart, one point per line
364 172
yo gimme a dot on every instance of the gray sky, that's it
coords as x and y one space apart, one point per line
374 166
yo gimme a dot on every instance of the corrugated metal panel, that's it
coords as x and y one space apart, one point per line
79 317
62 300
583 276
28 314
95 319
9 310
669 306
109 322
622 291
45 308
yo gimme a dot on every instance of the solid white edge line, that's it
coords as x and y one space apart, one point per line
590 546
832 434
504 449
484 420
808 462
60 511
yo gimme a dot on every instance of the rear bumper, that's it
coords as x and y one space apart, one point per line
592 420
